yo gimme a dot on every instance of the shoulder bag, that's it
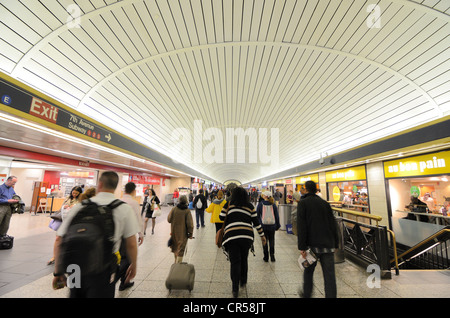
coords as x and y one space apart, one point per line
220 233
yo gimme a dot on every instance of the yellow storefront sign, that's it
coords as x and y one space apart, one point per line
430 164
348 174
302 179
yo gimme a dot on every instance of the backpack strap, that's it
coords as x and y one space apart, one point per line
115 204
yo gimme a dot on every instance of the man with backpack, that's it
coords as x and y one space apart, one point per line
200 204
88 242
269 219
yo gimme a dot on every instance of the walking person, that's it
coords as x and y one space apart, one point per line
152 202
129 197
317 230
69 202
181 228
240 217
269 218
146 193
215 208
200 204
97 284
277 196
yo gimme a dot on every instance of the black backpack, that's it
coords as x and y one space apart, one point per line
89 240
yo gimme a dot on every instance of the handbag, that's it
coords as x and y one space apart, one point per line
54 224
57 216
220 233
156 211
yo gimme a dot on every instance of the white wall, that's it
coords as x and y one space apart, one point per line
25 180
377 191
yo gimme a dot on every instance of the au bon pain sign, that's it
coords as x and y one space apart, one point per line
430 164
349 174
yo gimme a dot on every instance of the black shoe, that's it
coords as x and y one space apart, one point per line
235 294
266 259
272 258
125 286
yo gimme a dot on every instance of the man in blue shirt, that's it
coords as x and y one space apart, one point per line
6 193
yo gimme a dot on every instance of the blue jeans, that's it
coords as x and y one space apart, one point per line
200 217
329 276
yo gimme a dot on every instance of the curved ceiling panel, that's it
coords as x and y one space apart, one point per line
237 89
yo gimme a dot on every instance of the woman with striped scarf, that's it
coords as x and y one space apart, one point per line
239 217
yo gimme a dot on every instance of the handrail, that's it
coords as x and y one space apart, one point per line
427 240
395 251
376 218
425 213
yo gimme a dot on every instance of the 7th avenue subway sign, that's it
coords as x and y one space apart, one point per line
15 97
22 101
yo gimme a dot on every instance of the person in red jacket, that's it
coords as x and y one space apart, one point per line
175 197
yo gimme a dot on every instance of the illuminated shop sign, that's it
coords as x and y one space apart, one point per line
303 179
430 164
18 99
348 174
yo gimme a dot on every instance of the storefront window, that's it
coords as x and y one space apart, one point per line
351 194
418 195
413 198
348 188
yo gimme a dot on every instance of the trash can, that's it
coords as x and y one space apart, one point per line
339 256
284 211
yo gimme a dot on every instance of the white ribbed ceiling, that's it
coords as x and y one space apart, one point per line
327 74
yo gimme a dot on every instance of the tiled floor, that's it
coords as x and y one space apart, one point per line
24 273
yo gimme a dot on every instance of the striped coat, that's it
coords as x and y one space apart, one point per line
240 222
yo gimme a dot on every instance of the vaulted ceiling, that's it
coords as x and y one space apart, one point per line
296 79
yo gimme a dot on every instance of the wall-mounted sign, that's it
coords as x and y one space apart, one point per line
18 99
302 179
348 174
140 179
430 164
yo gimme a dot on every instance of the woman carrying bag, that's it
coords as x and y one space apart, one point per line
152 210
240 218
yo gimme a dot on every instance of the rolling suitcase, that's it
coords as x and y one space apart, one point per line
181 276
6 242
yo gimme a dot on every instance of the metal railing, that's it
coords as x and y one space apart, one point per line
366 242
369 243
439 219
431 253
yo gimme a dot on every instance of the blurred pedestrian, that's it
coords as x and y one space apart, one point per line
200 204
181 228
317 231
215 208
150 206
268 216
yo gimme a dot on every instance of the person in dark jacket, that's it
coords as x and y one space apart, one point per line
268 216
317 230
200 208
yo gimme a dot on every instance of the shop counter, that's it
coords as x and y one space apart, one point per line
54 204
